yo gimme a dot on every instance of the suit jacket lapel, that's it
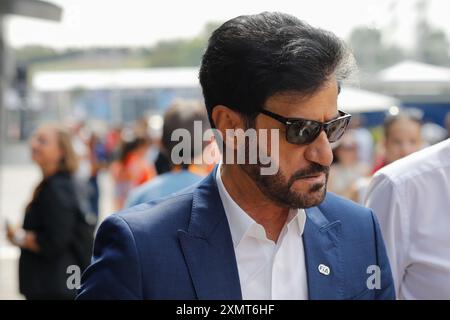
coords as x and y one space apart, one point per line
207 246
321 243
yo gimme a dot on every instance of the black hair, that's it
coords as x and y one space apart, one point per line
182 114
129 147
251 58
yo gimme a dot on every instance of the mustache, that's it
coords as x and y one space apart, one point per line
313 170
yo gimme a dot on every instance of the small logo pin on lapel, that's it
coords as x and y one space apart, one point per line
323 269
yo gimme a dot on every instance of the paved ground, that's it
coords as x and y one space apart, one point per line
18 177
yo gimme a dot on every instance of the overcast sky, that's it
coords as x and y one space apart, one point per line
143 22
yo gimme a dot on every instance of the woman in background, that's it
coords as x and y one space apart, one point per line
402 136
48 236
346 168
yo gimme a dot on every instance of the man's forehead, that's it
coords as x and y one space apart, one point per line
294 96
294 104
297 98
288 97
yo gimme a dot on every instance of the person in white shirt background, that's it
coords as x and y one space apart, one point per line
411 198
402 135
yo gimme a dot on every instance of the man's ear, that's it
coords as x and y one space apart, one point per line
225 118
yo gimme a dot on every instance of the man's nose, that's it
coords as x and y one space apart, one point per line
319 151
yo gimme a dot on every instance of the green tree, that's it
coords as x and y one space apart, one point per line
432 45
176 53
181 52
370 52
167 53
31 54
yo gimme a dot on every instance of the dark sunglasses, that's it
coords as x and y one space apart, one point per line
303 131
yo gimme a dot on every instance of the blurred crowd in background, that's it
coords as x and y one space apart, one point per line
133 155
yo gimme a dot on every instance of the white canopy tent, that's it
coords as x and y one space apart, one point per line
411 78
355 100
116 79
412 71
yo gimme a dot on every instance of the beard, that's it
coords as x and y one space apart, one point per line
277 187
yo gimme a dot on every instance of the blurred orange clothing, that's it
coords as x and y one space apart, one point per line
132 172
138 169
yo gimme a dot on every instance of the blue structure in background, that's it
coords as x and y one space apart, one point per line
373 119
134 104
432 112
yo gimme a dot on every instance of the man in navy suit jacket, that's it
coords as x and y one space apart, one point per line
246 231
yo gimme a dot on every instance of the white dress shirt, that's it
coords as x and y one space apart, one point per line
267 270
411 198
